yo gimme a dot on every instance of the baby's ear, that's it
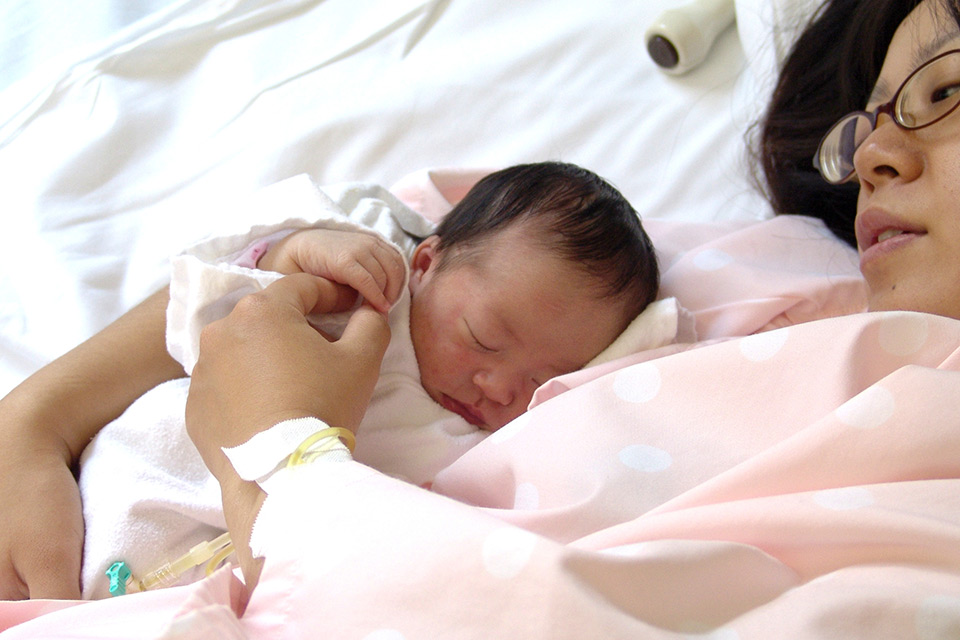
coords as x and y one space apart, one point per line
424 260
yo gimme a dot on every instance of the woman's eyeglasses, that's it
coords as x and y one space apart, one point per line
928 95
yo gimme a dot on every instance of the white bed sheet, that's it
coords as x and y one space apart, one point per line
127 128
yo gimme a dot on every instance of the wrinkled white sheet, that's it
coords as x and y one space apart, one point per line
117 151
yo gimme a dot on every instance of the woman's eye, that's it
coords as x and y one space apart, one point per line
944 93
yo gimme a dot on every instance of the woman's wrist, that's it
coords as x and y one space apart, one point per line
68 401
28 424
242 501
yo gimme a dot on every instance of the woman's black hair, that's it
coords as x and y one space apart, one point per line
830 72
584 218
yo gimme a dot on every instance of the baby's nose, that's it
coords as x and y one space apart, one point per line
495 387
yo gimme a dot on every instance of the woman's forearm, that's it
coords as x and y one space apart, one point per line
74 396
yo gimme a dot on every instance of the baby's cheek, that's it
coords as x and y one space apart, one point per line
435 368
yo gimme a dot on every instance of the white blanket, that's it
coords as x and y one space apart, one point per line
121 145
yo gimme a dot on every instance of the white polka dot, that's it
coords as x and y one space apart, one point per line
384 634
763 346
507 551
903 334
639 383
869 409
938 617
712 260
844 499
645 458
527 496
510 429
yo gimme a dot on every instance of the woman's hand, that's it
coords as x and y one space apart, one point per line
41 530
264 364
365 262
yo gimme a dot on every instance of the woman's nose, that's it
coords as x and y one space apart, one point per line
495 386
888 153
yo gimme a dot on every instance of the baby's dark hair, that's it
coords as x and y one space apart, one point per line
588 222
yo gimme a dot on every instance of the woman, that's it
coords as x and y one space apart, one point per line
830 73
893 185
741 551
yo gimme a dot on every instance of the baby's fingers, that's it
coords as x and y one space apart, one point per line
378 275
395 271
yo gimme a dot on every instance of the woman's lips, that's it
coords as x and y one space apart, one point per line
880 233
462 410
886 246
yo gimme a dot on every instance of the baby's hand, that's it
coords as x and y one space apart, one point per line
359 260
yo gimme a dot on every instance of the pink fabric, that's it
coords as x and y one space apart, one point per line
801 483
252 254
204 610
433 192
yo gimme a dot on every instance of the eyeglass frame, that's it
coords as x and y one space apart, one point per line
873 116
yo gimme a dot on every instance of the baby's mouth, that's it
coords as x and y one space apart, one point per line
462 410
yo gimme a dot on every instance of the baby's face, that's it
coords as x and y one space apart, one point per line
487 334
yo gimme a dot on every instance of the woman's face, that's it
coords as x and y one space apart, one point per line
908 212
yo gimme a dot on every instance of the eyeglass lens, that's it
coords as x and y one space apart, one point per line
931 93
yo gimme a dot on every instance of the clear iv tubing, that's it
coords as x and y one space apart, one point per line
213 552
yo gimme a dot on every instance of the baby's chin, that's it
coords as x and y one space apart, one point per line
503 421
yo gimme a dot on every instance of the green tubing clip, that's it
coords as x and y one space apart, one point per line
119 574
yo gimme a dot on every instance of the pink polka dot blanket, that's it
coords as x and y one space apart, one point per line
802 482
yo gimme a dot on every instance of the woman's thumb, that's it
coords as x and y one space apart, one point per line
367 334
